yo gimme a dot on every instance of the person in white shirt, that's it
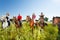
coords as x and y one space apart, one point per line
8 20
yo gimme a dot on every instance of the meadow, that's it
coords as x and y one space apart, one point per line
49 32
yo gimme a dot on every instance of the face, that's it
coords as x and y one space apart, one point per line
7 14
55 21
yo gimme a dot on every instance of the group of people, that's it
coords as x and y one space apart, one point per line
6 22
41 22
18 21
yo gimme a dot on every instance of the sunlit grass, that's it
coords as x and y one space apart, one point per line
50 32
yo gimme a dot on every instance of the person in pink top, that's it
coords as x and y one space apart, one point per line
33 16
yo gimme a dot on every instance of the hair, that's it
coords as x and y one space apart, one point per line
7 13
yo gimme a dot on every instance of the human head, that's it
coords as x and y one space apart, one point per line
41 13
7 14
19 14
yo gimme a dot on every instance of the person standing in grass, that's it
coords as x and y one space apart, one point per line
19 19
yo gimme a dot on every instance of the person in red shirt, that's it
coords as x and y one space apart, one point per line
19 19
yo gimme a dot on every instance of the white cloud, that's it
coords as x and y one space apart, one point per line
56 1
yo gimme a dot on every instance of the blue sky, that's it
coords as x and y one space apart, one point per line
50 8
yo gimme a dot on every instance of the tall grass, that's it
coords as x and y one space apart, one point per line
49 32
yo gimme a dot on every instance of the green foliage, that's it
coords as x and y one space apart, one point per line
49 32
46 19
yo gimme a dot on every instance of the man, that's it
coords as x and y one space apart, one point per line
42 15
42 23
8 20
19 19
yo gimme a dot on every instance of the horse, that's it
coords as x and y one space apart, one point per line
16 22
31 21
4 22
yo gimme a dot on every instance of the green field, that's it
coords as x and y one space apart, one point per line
49 32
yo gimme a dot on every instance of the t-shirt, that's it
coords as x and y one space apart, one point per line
19 17
33 16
